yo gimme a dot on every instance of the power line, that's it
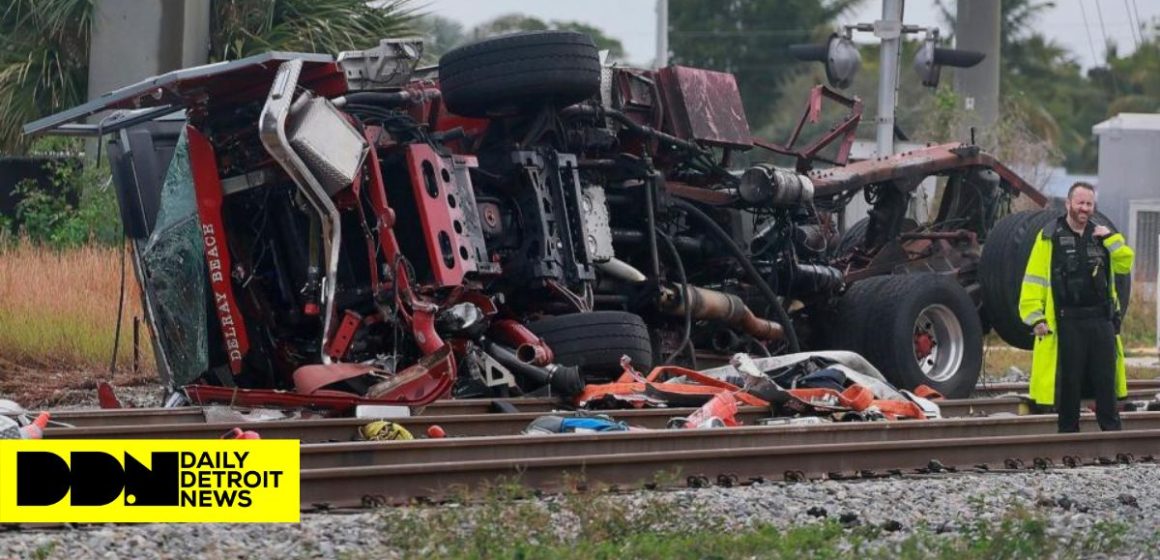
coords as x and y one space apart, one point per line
743 33
1104 32
1134 25
1139 21
1088 31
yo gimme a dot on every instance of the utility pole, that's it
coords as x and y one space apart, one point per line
662 58
889 31
977 29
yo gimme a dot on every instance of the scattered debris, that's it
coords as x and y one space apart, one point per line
552 424
383 430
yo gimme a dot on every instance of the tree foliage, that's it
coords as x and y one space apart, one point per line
440 34
245 27
749 38
44 60
514 23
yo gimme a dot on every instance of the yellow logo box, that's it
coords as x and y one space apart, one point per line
153 481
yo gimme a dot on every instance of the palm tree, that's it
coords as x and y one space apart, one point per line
245 27
44 44
44 60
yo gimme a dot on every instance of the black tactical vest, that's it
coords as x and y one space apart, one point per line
1079 267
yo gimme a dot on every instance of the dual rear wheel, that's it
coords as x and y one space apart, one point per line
917 329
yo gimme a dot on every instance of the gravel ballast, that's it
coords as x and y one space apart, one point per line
1070 500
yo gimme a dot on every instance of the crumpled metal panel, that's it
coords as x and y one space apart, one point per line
911 167
174 275
704 105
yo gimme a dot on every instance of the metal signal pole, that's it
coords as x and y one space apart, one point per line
662 58
889 30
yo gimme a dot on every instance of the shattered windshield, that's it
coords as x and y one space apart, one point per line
174 273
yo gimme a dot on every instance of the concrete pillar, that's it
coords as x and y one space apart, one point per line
133 40
977 29
195 36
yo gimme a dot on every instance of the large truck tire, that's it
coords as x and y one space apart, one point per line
513 73
925 330
853 236
595 341
1004 262
852 315
1001 269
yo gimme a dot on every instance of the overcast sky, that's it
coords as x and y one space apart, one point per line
633 22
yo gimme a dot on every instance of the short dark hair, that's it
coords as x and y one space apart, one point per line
1080 185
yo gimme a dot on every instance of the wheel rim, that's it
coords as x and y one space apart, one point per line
938 342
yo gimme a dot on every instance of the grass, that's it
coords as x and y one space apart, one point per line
58 309
1139 327
44 551
513 524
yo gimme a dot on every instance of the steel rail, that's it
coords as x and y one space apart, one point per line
485 410
478 407
343 429
387 484
1137 386
197 415
367 453
984 403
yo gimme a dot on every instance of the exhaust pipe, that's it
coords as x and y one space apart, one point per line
530 348
711 305
564 379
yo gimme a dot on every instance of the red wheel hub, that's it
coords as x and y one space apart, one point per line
923 344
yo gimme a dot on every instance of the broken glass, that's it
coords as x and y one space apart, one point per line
174 262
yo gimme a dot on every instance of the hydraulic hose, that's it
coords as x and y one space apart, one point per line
766 291
687 340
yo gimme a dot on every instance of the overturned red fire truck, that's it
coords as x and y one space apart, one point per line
319 231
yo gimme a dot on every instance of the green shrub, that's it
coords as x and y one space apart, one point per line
78 207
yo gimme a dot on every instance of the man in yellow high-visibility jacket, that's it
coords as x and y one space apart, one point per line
1069 300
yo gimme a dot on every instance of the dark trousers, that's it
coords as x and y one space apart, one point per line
1087 352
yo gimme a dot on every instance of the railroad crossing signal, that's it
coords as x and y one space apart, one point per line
842 60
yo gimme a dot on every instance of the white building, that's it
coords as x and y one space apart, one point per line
1129 184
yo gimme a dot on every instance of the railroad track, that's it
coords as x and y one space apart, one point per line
191 424
401 471
344 474
363 453
462 413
